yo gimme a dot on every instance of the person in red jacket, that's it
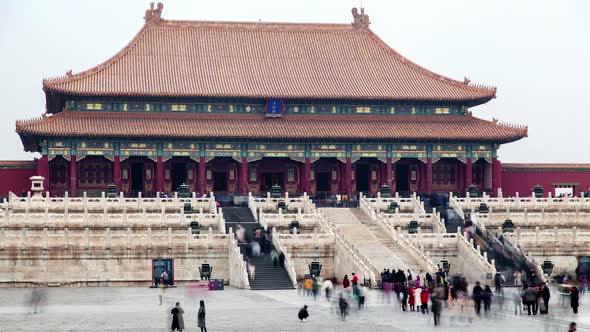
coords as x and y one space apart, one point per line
411 300
424 299
355 279
345 282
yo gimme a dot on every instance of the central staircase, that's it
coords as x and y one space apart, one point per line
266 275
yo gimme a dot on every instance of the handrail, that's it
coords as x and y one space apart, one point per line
468 248
236 259
407 246
288 262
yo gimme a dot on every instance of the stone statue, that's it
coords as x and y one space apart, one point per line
361 20
154 15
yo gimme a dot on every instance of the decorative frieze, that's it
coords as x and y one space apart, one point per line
254 151
255 108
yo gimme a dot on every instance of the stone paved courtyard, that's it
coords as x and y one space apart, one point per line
137 309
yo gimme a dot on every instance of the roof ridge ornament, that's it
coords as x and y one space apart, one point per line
154 15
361 20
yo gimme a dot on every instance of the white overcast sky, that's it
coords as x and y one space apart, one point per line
537 52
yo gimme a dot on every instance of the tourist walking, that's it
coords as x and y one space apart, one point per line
499 281
436 308
575 299
517 299
411 298
201 317
530 298
424 295
164 277
517 280
303 314
545 295
161 293
361 296
487 299
477 297
327 285
177 320
573 327
343 304
345 282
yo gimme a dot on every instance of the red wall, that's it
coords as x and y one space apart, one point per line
15 180
522 180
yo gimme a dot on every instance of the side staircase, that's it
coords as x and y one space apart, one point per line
266 275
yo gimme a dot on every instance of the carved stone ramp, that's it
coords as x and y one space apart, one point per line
380 251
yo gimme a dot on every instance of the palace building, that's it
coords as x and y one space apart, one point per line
236 107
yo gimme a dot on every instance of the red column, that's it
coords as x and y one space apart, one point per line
159 174
429 175
202 177
43 170
468 173
244 176
73 176
388 168
307 176
117 172
348 176
460 176
420 179
496 176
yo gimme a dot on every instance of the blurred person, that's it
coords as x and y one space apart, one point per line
251 269
361 296
307 285
274 257
403 297
343 304
424 295
487 299
177 320
545 295
164 277
355 279
411 298
328 287
37 296
530 298
517 300
477 296
436 308
345 282
409 278
418 298
499 282
386 292
315 288
161 294
201 316
573 327
574 299
303 314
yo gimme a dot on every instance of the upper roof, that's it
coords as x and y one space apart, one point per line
263 60
256 126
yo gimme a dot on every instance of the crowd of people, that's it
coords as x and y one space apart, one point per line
429 294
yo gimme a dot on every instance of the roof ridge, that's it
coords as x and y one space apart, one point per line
69 77
465 83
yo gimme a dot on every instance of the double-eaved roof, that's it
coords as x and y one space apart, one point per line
237 60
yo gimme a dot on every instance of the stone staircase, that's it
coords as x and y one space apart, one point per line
379 249
386 240
266 275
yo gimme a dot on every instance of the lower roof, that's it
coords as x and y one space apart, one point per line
256 126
